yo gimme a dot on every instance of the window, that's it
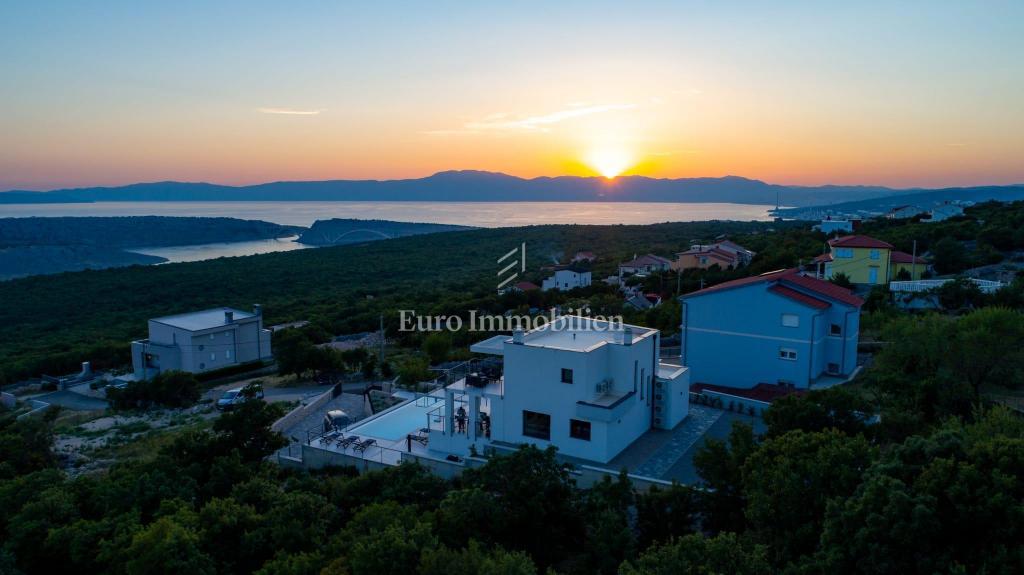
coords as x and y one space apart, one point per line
202 347
833 368
213 356
211 336
790 320
202 366
844 252
227 354
537 425
874 254
835 329
787 354
579 429
566 375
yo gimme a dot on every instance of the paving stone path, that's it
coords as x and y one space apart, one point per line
697 423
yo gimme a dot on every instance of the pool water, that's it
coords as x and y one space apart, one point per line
402 420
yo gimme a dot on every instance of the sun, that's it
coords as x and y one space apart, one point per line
609 162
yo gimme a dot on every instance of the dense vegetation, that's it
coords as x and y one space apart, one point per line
134 231
53 323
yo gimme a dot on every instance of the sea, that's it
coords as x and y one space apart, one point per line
479 214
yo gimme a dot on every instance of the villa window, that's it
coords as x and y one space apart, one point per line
537 425
212 336
566 375
790 320
874 254
835 329
844 252
787 354
227 354
213 356
202 347
833 368
579 429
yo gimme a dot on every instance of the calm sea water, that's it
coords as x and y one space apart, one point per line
480 214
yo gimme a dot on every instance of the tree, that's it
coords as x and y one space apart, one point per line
167 547
818 410
949 256
26 445
988 347
475 560
437 345
665 513
720 466
531 496
413 371
171 388
948 500
699 555
788 482
841 280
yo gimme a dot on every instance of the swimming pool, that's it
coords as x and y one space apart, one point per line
402 420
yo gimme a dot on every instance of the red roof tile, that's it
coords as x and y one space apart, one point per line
823 258
792 277
905 258
799 297
526 286
859 242
825 288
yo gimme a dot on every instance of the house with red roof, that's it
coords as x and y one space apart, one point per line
725 254
643 265
863 259
780 328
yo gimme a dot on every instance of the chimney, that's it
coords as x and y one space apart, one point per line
627 335
257 309
517 336
229 316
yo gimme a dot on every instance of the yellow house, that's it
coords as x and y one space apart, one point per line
900 261
863 259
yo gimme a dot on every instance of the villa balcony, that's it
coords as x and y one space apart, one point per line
606 407
921 286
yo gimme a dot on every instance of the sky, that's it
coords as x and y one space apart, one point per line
906 94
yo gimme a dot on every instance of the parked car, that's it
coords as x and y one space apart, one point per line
233 397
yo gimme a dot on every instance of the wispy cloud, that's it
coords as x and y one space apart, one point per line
502 122
290 111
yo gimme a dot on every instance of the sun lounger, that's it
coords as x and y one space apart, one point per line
346 442
364 445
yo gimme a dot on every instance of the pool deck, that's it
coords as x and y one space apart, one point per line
658 454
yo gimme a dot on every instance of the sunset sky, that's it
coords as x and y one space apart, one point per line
896 93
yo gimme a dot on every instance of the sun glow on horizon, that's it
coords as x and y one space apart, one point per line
609 161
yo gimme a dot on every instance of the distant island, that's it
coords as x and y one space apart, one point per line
336 232
476 186
31 246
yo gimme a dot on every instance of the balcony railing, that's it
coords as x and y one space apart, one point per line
921 286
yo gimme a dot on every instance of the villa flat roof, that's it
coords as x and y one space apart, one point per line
200 320
576 333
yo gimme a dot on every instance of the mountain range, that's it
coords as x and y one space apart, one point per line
473 186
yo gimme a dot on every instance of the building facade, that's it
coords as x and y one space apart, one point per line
566 280
589 388
643 265
201 341
777 328
863 259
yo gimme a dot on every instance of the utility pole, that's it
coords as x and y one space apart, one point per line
381 360
913 261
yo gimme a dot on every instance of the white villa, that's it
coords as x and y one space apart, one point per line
201 341
566 279
588 387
